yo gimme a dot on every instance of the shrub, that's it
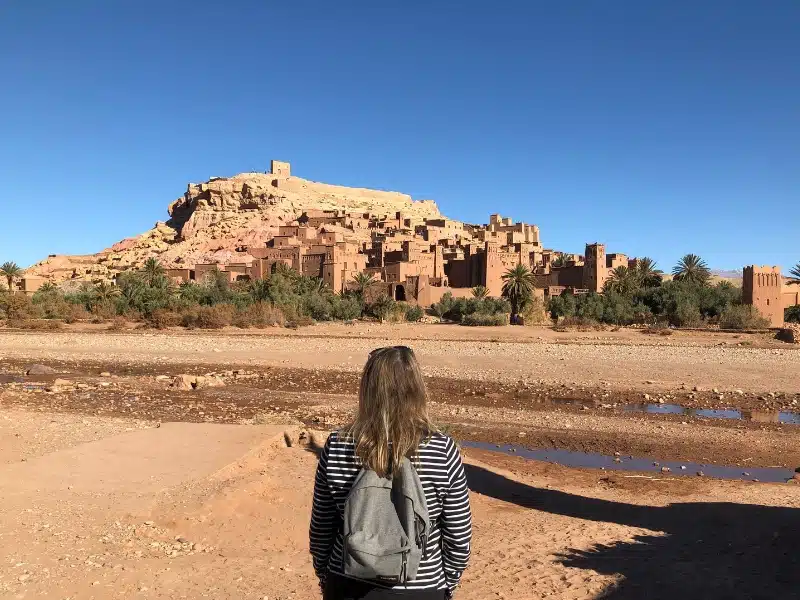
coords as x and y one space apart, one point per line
398 312
299 321
382 308
259 315
792 314
104 310
414 314
208 317
742 317
346 308
579 323
16 307
534 312
163 318
76 313
657 330
317 306
35 324
485 319
118 324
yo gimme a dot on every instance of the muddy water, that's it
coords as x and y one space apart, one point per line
588 460
758 416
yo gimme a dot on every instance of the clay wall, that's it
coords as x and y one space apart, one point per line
571 276
278 167
762 287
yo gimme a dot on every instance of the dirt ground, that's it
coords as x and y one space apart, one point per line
114 484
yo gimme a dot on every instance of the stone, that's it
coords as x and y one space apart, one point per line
665 469
790 333
40 370
184 382
105 374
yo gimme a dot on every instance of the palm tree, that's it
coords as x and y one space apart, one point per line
48 287
622 280
480 292
795 274
518 286
11 271
259 290
647 272
363 281
281 268
693 269
152 271
104 292
382 307
560 260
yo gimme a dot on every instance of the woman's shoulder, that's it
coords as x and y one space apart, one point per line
440 442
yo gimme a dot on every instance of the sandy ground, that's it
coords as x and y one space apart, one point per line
119 486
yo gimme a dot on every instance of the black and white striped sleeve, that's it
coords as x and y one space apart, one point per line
324 518
456 519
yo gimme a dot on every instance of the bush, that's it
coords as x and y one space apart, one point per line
346 308
209 317
16 307
163 318
485 319
299 321
259 315
382 308
742 317
533 313
584 323
792 314
35 324
414 314
76 313
118 324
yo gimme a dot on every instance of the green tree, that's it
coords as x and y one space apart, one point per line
693 269
382 307
363 282
48 287
11 271
480 292
560 260
795 274
105 292
152 271
648 273
623 281
259 290
518 286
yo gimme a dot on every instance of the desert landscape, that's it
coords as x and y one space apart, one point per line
180 464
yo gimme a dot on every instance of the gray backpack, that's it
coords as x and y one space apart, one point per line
385 526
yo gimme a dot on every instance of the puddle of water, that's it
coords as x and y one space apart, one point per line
569 458
10 378
758 416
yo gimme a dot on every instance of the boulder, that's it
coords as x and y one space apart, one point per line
40 370
195 382
789 333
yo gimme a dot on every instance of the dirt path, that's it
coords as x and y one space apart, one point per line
541 531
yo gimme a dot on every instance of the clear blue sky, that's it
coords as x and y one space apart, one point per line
659 128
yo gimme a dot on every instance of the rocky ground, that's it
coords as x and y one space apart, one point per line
542 530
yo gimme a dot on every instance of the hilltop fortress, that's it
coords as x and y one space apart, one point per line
244 225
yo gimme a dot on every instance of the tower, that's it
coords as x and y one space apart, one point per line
595 272
762 288
278 167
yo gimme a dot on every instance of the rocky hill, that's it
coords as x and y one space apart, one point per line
212 219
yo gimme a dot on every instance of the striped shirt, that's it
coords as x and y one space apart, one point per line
442 475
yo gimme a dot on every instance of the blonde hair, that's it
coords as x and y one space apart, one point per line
392 419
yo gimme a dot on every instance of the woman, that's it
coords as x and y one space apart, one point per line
392 422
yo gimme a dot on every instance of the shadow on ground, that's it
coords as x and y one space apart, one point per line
711 551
